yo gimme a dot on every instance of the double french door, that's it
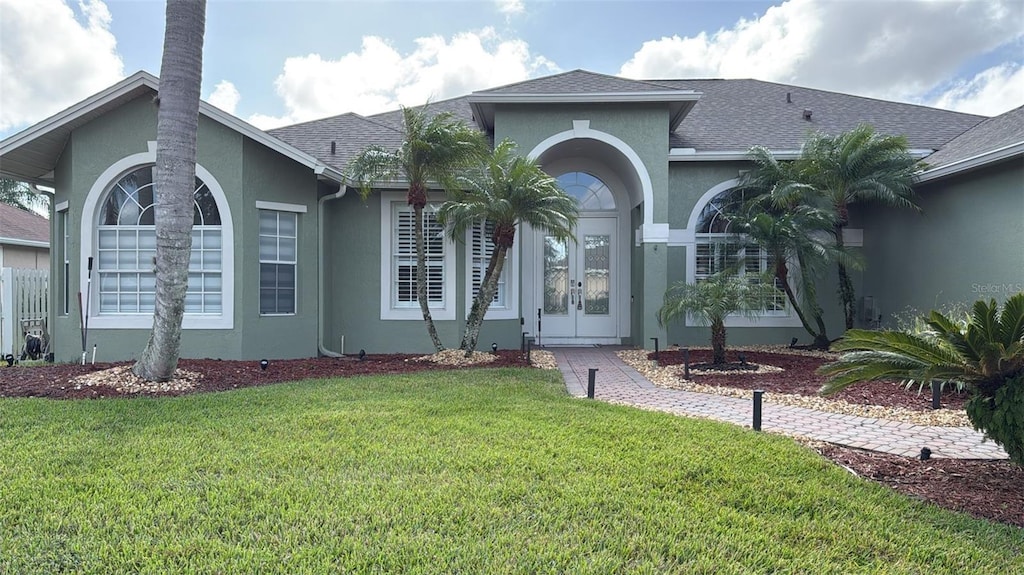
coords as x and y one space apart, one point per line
578 296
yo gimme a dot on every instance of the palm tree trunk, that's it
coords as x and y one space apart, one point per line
421 277
717 343
846 292
821 340
175 173
482 302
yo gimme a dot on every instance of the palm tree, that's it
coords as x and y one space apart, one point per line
435 149
507 191
181 71
783 220
19 195
854 167
712 300
985 355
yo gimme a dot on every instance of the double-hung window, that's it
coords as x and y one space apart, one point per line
278 259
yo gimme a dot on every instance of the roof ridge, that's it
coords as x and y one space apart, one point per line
574 71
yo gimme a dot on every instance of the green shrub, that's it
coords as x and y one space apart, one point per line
1001 417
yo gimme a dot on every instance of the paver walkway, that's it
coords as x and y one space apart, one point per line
617 382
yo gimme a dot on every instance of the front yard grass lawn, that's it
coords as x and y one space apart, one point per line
471 471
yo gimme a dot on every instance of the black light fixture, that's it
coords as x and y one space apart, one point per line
743 358
362 355
9 358
926 454
494 347
792 342
264 364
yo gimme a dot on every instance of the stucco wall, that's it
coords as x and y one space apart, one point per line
268 176
126 131
353 290
965 246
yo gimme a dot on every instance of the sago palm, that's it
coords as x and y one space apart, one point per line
712 300
506 191
436 149
986 355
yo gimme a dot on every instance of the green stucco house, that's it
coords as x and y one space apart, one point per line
287 262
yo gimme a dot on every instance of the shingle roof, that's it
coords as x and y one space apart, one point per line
731 116
737 114
18 224
577 82
994 133
351 133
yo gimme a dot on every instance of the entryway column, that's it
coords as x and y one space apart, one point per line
655 282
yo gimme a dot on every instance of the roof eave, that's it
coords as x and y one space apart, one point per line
681 102
24 243
127 86
972 163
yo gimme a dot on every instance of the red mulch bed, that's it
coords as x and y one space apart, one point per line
799 378
54 381
988 489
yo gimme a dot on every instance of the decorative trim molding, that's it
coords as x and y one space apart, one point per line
280 207
581 130
88 234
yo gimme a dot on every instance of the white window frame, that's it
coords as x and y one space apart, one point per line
65 261
510 309
389 202
89 234
689 238
275 208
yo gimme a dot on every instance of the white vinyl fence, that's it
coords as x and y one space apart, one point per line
24 305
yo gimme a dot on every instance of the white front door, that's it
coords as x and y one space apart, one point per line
578 280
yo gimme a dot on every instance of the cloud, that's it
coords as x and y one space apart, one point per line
989 93
51 58
510 7
894 50
378 78
225 96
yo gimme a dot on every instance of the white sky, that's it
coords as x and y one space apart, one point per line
274 62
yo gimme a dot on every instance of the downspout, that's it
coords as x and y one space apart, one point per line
320 275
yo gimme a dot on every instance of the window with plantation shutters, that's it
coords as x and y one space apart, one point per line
481 248
404 258
398 298
717 249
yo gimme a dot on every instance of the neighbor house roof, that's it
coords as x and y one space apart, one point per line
32 154
993 140
23 228
722 119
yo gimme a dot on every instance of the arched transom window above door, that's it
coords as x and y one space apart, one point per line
590 192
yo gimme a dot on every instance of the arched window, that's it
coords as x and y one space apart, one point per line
590 192
719 248
126 249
